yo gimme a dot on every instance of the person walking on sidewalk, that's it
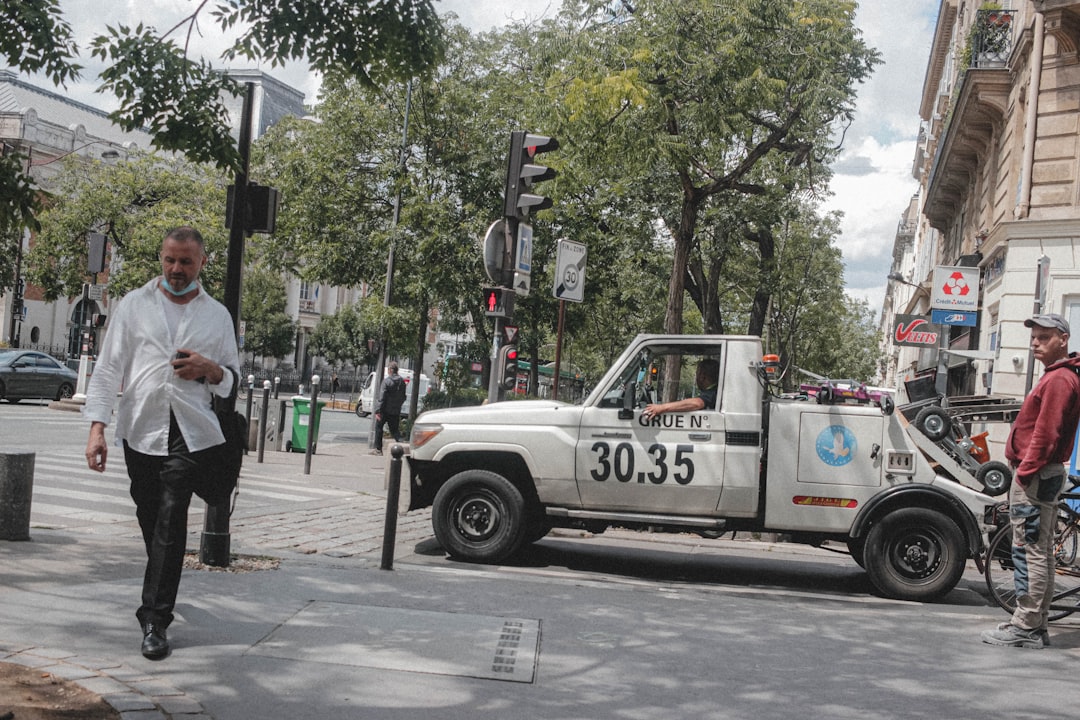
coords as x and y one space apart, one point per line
1040 442
388 413
168 346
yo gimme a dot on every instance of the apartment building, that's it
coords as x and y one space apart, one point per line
997 162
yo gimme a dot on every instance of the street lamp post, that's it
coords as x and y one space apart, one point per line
380 368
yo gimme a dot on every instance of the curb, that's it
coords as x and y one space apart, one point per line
134 694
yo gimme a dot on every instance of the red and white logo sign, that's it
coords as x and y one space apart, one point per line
955 284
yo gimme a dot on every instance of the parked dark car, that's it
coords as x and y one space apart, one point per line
30 374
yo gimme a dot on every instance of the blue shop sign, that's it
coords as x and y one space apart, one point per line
952 317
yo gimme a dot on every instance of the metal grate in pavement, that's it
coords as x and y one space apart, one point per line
438 643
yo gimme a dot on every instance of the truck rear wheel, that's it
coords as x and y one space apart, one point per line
479 516
915 554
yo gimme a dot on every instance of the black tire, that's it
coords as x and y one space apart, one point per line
995 477
857 548
479 516
999 572
915 554
65 391
934 423
359 411
3 391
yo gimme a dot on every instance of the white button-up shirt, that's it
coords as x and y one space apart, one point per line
136 358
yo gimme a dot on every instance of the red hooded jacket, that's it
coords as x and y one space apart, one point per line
1045 428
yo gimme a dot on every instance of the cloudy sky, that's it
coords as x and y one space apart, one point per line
872 184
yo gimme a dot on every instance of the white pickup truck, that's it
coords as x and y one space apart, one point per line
502 475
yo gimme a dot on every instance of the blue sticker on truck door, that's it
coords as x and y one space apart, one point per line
836 445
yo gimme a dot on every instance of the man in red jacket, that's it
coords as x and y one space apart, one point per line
1040 443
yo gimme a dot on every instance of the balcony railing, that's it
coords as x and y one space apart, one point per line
991 38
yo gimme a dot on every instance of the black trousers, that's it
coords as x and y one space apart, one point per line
161 487
391 421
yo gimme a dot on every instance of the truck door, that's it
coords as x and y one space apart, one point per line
670 463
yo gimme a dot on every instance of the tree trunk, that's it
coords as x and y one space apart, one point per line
684 241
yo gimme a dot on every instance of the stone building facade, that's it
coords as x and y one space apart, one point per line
999 189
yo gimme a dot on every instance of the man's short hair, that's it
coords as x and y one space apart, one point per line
711 368
1049 320
393 367
185 233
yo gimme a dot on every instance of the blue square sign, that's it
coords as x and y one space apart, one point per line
952 317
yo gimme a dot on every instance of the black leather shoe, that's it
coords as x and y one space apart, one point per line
154 645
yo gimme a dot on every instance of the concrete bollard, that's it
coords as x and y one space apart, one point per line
16 490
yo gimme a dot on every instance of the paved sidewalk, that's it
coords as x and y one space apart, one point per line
55 575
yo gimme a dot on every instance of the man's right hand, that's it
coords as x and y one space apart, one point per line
97 450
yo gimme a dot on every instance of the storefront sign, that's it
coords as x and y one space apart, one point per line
914 330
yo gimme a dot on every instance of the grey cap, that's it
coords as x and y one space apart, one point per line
1049 320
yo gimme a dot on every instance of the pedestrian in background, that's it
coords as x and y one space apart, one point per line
1040 442
170 347
388 413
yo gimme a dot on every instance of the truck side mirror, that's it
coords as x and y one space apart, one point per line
628 395
887 405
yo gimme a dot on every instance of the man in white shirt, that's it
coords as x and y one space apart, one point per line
167 348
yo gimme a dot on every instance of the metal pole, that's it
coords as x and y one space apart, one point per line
393 491
558 351
1042 269
214 545
380 366
263 412
250 397
313 426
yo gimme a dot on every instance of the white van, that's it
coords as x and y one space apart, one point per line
367 392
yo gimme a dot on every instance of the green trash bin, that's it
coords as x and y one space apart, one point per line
302 423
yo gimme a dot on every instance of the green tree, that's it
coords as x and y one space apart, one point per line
134 204
717 106
269 330
180 100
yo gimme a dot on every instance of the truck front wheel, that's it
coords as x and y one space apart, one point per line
915 554
479 516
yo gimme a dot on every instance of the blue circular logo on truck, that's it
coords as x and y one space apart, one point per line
836 445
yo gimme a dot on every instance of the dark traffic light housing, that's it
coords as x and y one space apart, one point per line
521 173
508 367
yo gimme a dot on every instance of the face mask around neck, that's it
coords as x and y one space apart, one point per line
168 288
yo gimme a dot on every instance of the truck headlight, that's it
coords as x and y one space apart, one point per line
422 433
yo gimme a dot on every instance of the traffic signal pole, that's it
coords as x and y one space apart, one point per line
214 545
508 265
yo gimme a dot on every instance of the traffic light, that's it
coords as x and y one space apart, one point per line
498 302
508 367
521 173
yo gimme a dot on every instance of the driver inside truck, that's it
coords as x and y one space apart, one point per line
707 378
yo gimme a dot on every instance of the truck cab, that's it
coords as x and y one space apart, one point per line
742 458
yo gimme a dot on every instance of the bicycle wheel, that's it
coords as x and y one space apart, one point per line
999 572
1065 538
999 569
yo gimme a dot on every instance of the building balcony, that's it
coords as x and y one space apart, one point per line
307 306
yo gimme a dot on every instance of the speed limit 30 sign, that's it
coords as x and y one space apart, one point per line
570 271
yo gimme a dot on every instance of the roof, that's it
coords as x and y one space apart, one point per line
17 97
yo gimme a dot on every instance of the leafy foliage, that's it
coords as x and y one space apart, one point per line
180 100
37 38
135 204
269 330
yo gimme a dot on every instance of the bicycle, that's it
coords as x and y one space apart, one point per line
999 565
